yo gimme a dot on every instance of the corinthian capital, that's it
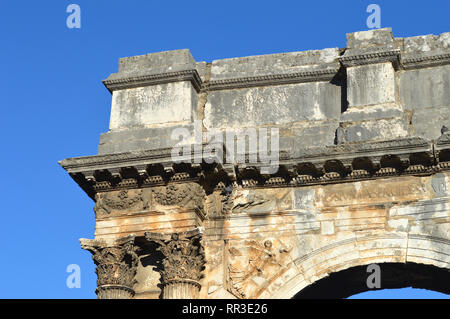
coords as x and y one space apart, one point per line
116 266
184 256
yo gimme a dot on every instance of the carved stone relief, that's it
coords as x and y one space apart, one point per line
120 201
219 204
253 264
187 195
190 194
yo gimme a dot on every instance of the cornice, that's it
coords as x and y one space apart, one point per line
319 165
79 164
309 75
400 59
424 60
127 82
370 57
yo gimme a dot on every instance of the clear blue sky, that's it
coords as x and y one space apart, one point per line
54 106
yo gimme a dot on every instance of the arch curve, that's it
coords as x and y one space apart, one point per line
351 281
338 269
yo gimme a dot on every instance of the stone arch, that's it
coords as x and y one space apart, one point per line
411 252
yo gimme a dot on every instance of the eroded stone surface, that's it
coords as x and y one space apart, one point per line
142 107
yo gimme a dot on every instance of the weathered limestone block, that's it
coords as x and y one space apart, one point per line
157 104
428 123
304 199
425 84
271 90
154 63
426 93
427 43
372 84
429 250
277 105
371 38
157 137
380 129
308 133
374 112
274 64
425 51
425 88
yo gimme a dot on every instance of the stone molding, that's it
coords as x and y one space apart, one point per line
116 266
153 79
315 165
399 59
310 75
371 57
424 60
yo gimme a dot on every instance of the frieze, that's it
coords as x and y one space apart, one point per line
346 194
122 202
190 195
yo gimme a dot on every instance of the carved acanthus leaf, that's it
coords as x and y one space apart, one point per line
116 263
184 256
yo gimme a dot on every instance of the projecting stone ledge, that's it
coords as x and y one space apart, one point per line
297 167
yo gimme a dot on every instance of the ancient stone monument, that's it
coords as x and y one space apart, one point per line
362 173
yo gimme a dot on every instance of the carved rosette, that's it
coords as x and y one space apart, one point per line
116 266
183 263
